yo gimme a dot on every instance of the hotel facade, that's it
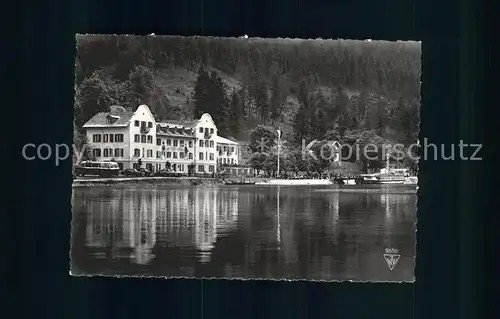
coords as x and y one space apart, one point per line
136 139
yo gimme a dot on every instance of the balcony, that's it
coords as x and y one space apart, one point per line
145 129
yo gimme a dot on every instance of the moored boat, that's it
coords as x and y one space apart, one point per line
239 183
296 182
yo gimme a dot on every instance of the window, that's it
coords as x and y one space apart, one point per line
207 143
210 168
117 152
181 155
136 123
211 156
181 167
106 152
96 152
190 155
150 124
181 143
169 142
105 138
201 143
211 143
190 143
137 152
96 138
121 151
176 143
158 141
232 149
150 139
143 123
118 138
206 130
158 154
211 131
143 138
201 156
111 138
169 154
224 161
232 160
201 168
201 129
137 138
175 154
150 153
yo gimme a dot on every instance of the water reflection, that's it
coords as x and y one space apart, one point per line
282 232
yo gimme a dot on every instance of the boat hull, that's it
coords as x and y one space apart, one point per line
296 182
390 182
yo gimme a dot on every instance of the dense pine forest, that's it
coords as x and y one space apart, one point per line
351 91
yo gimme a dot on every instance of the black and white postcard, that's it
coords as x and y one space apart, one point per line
245 158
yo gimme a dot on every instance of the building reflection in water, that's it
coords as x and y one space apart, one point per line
138 220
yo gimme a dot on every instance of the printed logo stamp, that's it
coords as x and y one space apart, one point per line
391 257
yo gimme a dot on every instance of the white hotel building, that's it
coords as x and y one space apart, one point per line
132 137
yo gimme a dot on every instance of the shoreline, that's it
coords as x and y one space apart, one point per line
184 181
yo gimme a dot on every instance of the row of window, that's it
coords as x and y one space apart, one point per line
138 138
182 168
181 155
107 152
105 138
137 153
206 130
226 161
142 138
174 155
118 152
206 143
143 124
225 149
180 143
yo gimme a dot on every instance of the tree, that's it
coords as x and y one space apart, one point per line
262 102
262 139
277 100
218 103
258 161
201 93
92 97
235 114
320 121
302 120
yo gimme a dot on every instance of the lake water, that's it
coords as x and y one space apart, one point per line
316 233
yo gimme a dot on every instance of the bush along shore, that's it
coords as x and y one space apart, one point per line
187 181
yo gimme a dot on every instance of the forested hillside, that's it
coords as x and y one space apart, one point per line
312 89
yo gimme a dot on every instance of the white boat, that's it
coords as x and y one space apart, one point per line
349 181
387 175
411 180
297 182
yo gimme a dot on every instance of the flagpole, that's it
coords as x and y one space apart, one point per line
279 139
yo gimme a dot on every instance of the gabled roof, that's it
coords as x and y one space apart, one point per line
222 140
188 123
174 131
100 119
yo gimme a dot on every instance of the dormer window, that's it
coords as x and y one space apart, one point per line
110 119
